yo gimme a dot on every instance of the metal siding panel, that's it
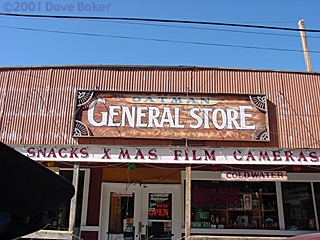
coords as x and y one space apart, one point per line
115 81
85 79
313 102
224 80
296 125
271 83
61 102
161 83
300 127
287 120
312 110
16 101
306 87
5 79
40 110
203 81
40 102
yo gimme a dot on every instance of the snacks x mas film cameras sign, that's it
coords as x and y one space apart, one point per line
171 116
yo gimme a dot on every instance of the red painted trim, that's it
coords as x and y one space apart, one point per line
94 197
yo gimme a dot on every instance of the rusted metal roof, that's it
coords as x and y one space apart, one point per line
38 103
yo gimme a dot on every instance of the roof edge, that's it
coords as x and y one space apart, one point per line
178 67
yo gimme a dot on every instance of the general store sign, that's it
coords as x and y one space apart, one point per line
175 155
254 176
171 116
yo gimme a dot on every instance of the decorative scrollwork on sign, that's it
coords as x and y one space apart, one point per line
259 102
81 129
84 98
261 134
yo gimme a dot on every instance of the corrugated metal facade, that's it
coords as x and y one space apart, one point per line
38 103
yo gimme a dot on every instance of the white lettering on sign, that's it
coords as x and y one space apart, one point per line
254 176
144 116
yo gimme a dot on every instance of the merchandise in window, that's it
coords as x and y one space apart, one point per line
298 206
218 204
316 187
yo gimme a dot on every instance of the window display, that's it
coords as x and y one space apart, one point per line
59 217
160 216
121 219
316 187
218 204
298 206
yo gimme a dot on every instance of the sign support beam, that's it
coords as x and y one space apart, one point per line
187 224
73 204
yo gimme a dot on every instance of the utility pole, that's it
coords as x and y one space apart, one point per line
305 46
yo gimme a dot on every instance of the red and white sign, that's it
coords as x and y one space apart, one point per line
125 194
254 176
174 155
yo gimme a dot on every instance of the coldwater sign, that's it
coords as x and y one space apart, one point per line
155 115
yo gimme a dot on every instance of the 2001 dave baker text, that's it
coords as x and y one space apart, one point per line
54 7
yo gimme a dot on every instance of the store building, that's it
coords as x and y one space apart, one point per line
125 134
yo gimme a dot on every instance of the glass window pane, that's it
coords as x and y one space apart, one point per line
316 187
121 209
59 217
218 204
297 205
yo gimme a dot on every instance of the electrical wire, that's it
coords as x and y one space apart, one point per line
157 20
162 40
204 28
212 29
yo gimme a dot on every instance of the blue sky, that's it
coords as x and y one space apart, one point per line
44 46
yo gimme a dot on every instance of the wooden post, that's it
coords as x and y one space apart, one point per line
187 224
73 203
305 46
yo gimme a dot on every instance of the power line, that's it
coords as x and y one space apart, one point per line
212 29
159 40
205 28
158 20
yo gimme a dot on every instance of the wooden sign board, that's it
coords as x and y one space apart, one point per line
171 116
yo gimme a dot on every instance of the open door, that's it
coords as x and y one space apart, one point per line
140 212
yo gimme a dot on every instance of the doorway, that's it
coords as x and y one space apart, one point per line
140 211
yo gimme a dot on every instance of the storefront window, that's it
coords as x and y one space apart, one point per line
298 206
316 187
218 204
159 216
59 217
121 214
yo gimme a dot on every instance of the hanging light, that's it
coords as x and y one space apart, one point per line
214 168
132 165
50 164
296 168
